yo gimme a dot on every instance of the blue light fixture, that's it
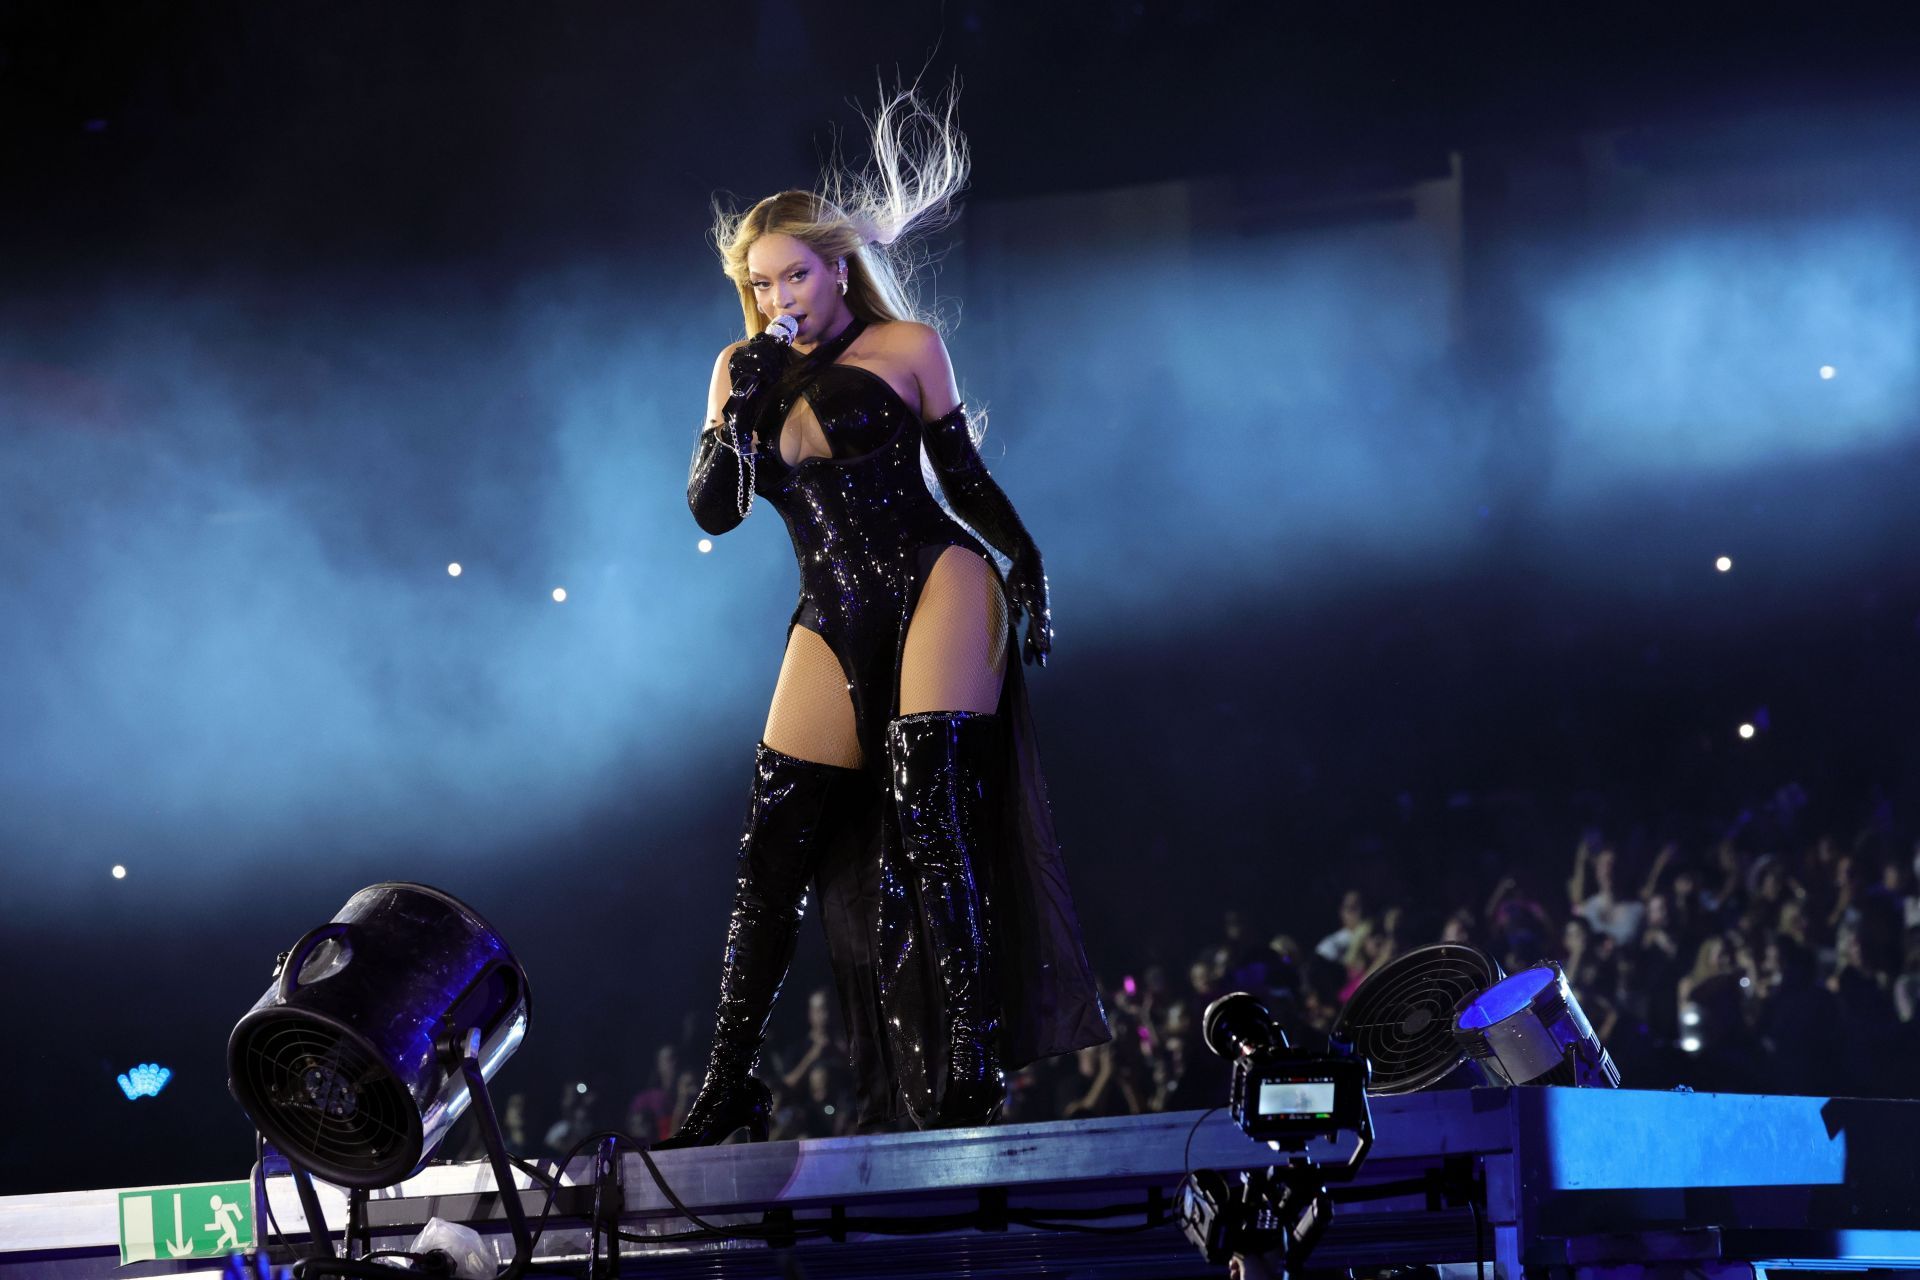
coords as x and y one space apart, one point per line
1529 1029
145 1080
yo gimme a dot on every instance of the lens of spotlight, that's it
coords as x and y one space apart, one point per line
1724 563
559 595
1746 731
119 872
1529 1029
705 545
453 570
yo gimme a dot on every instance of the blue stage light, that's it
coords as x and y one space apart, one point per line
1504 999
1529 1029
145 1080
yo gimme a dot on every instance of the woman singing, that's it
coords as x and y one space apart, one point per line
897 771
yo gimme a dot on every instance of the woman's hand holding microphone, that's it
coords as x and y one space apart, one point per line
762 358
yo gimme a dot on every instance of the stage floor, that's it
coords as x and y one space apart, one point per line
1505 1180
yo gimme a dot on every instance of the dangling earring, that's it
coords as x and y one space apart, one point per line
843 286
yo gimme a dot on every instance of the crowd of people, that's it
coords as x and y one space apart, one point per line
1744 970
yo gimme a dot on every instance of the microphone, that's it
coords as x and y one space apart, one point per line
782 328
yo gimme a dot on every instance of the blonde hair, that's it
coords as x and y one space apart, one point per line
874 218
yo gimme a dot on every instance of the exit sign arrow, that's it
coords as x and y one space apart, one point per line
203 1220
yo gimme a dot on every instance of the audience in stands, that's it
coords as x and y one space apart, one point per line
1752 968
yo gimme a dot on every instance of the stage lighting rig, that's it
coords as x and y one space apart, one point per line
1529 1029
1285 1098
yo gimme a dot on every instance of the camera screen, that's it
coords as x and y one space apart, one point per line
1296 1097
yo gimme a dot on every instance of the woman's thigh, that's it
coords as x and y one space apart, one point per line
812 713
956 652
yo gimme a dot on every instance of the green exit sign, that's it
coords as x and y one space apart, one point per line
205 1220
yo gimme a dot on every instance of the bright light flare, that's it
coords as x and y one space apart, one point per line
1724 564
705 545
454 570
559 595
1826 372
1746 731
119 872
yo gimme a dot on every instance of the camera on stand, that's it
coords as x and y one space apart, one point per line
1287 1099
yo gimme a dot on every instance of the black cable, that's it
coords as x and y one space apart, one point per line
260 1181
534 1171
1479 1239
1186 1155
736 1233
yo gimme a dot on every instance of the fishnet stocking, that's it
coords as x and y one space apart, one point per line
812 713
956 653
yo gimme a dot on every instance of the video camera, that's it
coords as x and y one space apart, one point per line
1285 1098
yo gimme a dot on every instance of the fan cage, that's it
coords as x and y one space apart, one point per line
1401 1017
320 1093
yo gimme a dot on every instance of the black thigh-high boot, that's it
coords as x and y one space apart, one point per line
778 851
941 763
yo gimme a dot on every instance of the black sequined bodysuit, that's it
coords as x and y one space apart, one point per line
866 532
865 529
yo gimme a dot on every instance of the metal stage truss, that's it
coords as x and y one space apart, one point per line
1576 1182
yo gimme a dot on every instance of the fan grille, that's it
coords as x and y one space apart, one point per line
1401 1017
326 1101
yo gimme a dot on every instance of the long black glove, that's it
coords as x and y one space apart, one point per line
719 491
756 365
981 503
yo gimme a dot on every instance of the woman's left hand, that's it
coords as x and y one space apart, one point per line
1027 589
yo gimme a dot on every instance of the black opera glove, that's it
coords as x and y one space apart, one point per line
715 480
756 364
720 480
976 499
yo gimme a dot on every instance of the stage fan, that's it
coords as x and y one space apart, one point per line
1401 1016
352 1062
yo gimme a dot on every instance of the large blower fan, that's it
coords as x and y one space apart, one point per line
376 1032
1401 1016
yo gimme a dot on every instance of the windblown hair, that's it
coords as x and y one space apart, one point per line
875 218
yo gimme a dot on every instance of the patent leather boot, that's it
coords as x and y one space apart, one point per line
778 851
940 763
